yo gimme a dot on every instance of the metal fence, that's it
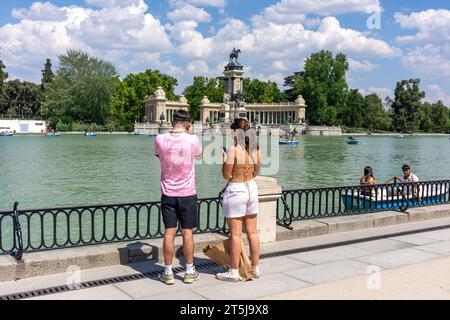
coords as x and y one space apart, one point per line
65 227
55 228
305 204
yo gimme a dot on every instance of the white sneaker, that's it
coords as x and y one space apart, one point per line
256 273
228 276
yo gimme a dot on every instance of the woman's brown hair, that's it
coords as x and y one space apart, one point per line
249 137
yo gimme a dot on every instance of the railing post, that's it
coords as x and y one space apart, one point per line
17 234
269 192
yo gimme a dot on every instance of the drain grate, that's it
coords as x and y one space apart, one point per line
98 283
206 265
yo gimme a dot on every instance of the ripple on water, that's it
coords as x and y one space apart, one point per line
72 170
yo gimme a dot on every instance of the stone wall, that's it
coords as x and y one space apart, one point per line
323 131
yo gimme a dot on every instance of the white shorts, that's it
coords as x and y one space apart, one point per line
240 199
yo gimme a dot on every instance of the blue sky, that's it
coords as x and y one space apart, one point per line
185 38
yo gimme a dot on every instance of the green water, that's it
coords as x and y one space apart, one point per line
74 170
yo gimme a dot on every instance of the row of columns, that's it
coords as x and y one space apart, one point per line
213 115
264 117
272 117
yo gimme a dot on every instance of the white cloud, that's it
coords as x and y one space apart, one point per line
40 11
199 67
430 58
115 3
285 41
279 65
125 28
364 65
433 25
188 12
116 31
381 92
294 11
209 3
437 93
429 61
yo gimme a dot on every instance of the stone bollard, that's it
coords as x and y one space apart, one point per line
269 192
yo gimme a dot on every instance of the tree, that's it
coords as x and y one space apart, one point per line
439 117
82 89
213 88
351 114
137 86
3 77
374 115
323 86
256 91
47 74
21 98
406 117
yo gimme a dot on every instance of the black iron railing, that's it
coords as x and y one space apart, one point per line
55 228
305 204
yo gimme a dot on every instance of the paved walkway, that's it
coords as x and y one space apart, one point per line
407 267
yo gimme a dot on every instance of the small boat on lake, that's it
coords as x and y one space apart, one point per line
352 140
90 134
6 134
288 140
386 199
400 136
52 135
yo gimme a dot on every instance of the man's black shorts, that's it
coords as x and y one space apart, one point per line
179 208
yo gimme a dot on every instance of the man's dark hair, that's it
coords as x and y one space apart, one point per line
180 116
406 167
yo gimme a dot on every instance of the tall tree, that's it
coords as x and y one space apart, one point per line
3 77
351 114
406 105
439 117
323 86
138 86
256 91
375 117
21 98
47 74
82 89
213 88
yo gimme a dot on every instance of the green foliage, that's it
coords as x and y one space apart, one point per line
129 96
3 77
434 117
213 88
82 89
21 98
351 114
256 91
323 86
374 116
47 75
406 117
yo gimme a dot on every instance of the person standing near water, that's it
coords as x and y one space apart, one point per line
176 151
241 165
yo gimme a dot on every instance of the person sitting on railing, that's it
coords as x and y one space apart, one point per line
367 180
408 177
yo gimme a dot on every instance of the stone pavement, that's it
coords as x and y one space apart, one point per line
413 266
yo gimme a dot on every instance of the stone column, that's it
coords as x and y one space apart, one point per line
269 192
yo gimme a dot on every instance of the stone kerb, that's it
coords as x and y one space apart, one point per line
269 192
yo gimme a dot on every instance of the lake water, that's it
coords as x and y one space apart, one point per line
75 170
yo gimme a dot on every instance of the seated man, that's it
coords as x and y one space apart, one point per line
408 177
